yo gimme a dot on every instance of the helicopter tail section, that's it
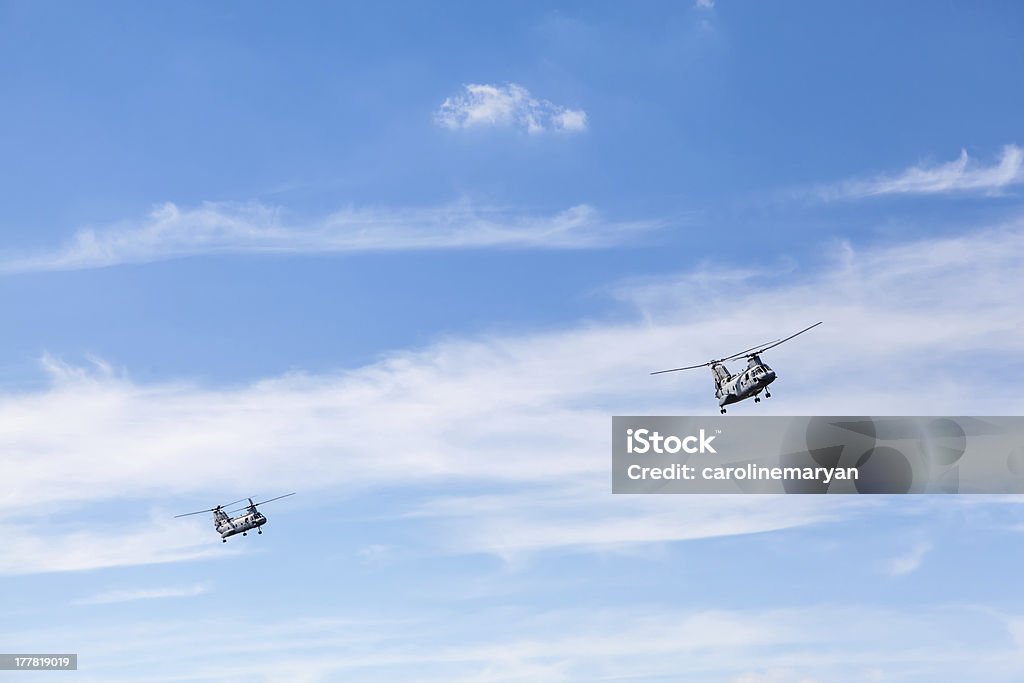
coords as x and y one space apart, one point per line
720 373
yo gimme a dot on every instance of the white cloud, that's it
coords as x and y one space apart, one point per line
51 547
508 106
489 644
1015 625
134 594
774 676
960 176
523 419
909 562
518 524
704 4
227 228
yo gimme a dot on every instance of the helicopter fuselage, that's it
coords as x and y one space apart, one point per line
754 379
229 526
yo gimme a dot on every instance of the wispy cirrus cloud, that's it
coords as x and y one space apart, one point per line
910 561
774 676
893 315
36 547
507 106
135 594
963 175
493 644
170 231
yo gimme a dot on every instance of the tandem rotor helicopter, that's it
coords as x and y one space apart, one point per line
226 525
730 388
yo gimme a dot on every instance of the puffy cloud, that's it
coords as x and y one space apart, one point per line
508 106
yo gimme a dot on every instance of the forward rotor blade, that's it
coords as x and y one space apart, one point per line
219 507
688 367
745 352
272 499
760 348
790 337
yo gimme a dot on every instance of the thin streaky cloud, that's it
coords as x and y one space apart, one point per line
135 594
829 642
909 562
36 548
893 314
507 106
170 231
962 175
774 676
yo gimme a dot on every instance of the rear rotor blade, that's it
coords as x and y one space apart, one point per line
272 499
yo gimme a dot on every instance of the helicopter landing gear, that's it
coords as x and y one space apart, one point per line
723 411
245 533
259 531
223 540
757 399
767 394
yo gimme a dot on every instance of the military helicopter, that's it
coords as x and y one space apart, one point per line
730 388
226 525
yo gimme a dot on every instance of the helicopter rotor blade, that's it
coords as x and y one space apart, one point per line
217 507
776 343
688 367
746 351
753 350
197 512
273 499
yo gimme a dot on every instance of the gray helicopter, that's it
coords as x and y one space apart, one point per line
226 525
753 380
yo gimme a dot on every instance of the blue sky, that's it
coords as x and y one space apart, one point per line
408 259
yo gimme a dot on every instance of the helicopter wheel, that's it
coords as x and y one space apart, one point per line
245 533
223 540
723 411
767 394
259 531
757 399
